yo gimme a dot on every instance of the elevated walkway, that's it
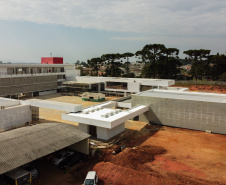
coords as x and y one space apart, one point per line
67 107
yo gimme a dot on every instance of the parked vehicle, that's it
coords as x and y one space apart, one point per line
61 157
18 176
71 160
32 170
91 178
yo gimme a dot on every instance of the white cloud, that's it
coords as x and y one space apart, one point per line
175 17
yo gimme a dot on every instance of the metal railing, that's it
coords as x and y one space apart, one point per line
31 74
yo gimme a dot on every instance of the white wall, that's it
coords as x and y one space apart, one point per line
133 87
83 128
102 133
81 146
105 133
116 130
71 73
13 117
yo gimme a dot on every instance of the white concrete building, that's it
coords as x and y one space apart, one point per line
102 122
133 85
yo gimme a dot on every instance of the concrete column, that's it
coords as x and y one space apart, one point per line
35 113
105 133
90 85
99 87
83 127
82 146
102 133
116 130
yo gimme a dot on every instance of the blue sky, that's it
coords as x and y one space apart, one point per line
81 30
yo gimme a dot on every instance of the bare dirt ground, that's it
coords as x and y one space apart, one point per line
166 156
205 88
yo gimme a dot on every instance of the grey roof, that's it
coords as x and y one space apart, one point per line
184 95
23 145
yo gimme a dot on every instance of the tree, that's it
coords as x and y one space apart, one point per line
113 64
217 66
77 62
95 64
168 66
127 63
152 54
200 62
159 61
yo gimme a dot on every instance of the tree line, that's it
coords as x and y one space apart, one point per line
159 61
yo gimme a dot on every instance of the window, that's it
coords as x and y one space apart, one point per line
117 85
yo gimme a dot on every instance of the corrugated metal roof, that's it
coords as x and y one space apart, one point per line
23 145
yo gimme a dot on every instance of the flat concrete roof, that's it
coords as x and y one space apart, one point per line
67 107
142 81
104 117
23 145
9 102
193 96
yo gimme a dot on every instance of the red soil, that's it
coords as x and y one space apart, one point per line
166 156
205 88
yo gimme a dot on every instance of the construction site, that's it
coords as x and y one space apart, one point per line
128 130
143 154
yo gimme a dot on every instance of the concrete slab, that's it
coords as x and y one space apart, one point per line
67 107
103 117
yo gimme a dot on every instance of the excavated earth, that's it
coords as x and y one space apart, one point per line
162 155
204 88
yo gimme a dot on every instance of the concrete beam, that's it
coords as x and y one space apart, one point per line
124 105
67 107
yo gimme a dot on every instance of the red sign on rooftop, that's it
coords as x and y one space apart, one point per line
52 60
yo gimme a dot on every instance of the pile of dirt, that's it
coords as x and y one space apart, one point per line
136 157
113 174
